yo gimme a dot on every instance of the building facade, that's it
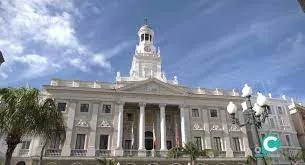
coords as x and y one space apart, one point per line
297 112
138 118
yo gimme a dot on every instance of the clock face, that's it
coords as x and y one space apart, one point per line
147 49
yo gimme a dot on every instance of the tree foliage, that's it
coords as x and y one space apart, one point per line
24 113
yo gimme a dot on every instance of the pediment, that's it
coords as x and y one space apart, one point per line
153 86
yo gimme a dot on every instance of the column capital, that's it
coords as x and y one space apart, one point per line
183 106
142 104
162 105
119 102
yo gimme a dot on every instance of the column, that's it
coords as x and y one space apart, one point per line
119 149
163 127
184 129
206 127
66 150
92 136
142 127
227 142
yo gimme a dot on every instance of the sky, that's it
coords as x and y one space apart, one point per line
210 44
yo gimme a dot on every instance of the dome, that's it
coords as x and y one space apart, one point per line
146 29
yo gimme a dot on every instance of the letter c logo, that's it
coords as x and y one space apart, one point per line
274 143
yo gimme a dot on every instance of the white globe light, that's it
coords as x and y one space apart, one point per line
261 100
246 91
258 109
231 108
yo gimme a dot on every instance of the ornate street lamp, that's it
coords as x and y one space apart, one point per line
256 116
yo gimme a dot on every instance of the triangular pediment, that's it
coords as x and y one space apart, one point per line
153 86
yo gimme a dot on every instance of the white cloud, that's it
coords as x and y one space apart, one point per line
99 59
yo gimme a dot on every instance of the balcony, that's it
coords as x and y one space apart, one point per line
78 152
130 153
220 154
148 153
53 152
239 154
102 153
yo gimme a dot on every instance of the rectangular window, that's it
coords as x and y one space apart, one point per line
129 117
288 142
128 144
236 144
168 119
195 113
146 37
213 113
106 108
84 107
26 144
104 142
198 143
169 144
61 107
271 122
80 141
280 110
217 143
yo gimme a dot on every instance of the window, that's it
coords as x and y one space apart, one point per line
106 108
217 143
288 142
80 141
283 122
128 144
198 143
129 117
169 144
236 144
149 37
142 37
280 110
195 113
213 113
26 144
269 110
54 142
84 107
104 142
146 37
61 107
168 119
271 122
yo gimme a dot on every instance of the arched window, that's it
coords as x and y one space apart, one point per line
150 38
142 37
21 163
146 37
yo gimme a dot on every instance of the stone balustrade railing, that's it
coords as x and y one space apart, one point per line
78 152
53 152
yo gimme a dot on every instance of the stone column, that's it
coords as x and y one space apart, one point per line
92 136
119 149
142 130
227 142
163 127
66 150
184 126
206 127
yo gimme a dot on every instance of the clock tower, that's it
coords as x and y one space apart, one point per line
146 61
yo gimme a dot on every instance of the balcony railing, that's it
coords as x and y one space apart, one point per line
220 154
239 154
78 152
130 153
102 152
53 152
24 152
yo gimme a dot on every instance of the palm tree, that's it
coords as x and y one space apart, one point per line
293 158
192 151
22 113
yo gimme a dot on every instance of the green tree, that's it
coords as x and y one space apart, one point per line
175 152
251 160
24 113
106 162
293 157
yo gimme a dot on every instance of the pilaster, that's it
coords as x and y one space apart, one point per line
92 136
227 142
207 136
66 150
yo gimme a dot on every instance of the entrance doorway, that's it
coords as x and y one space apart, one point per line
148 140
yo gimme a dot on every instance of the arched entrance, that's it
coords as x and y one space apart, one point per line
148 140
21 163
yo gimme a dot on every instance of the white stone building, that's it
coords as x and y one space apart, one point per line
118 120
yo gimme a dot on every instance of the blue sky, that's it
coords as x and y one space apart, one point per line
212 44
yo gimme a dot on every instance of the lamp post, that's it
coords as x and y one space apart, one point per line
256 116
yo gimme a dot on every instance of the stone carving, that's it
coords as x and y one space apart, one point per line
104 123
197 127
215 128
82 123
234 128
152 88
